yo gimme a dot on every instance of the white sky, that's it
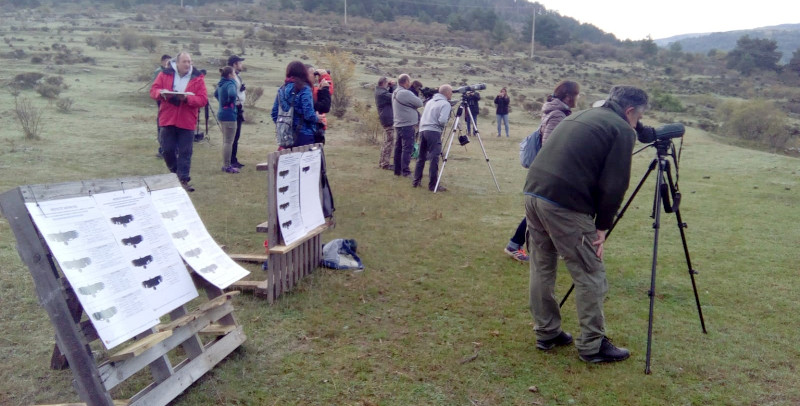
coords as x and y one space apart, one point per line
636 20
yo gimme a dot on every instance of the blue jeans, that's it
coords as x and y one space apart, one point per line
177 145
504 119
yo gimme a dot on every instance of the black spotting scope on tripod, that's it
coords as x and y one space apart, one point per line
667 195
463 139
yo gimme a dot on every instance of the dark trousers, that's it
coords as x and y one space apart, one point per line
404 144
235 147
177 145
470 130
518 240
430 147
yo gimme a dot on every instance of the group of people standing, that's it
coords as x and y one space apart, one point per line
180 92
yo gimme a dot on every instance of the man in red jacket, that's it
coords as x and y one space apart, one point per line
182 90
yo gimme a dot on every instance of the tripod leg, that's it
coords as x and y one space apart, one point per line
485 156
446 154
681 227
652 291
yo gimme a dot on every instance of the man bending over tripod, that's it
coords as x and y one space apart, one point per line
573 191
431 125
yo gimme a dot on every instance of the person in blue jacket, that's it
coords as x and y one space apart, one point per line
305 119
226 115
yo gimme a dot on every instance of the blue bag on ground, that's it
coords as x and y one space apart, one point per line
341 254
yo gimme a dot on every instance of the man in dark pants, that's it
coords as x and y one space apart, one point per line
431 125
404 111
573 191
475 109
165 59
237 63
182 90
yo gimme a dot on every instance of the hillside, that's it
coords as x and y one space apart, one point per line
786 35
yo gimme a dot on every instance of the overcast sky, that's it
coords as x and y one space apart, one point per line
636 20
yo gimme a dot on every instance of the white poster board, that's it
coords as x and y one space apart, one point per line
123 253
192 239
297 194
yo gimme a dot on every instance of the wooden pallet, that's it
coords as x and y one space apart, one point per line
288 264
152 349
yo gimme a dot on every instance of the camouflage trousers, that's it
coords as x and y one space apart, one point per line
386 148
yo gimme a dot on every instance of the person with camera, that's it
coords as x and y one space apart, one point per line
405 116
226 94
321 90
472 102
502 101
383 103
572 192
559 105
182 90
237 64
431 126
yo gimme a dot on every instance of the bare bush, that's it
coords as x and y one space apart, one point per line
29 117
342 69
129 39
27 80
150 43
253 94
48 90
64 105
369 128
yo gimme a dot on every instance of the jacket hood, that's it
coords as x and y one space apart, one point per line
439 96
172 68
223 81
555 105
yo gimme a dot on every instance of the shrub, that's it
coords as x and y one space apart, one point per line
48 90
253 94
665 102
370 128
150 43
29 117
64 105
754 120
128 39
27 80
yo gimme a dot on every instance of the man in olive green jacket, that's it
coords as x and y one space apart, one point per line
573 191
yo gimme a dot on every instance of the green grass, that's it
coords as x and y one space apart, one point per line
437 288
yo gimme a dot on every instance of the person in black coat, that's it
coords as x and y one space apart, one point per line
383 102
474 108
502 101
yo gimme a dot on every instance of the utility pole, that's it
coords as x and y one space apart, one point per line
533 29
345 12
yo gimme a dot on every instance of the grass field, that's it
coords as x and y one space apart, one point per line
439 316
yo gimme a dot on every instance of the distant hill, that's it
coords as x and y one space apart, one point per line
786 35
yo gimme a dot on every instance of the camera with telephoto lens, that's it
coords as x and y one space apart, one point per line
428 92
646 134
470 88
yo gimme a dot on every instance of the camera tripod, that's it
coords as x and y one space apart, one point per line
463 140
665 191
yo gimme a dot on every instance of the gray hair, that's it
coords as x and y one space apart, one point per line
382 81
403 79
629 96
182 53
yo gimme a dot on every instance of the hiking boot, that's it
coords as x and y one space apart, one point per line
230 169
415 183
518 254
563 338
608 353
186 186
441 189
237 165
